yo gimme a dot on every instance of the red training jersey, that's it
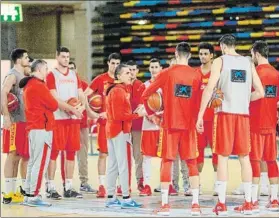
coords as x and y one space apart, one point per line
135 96
209 112
180 85
39 105
263 112
84 123
119 111
99 85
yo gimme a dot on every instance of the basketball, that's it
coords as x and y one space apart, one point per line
217 99
13 102
155 102
73 102
95 102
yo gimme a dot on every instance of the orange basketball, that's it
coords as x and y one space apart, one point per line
217 99
95 102
155 102
73 102
13 102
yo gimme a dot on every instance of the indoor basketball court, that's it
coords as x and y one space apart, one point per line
98 37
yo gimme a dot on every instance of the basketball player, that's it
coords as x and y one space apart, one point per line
39 108
263 120
150 132
82 154
118 132
206 53
64 84
234 75
180 84
14 134
99 85
174 188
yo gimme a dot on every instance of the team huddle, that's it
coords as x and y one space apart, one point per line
226 103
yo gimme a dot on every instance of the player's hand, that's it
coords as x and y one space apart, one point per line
141 112
140 106
199 125
80 108
7 123
103 115
76 112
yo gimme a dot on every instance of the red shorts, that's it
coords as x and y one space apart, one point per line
149 142
231 134
102 138
263 147
184 142
66 137
206 137
16 139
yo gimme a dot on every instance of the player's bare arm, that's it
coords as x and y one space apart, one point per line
7 86
257 85
208 91
64 106
88 91
82 98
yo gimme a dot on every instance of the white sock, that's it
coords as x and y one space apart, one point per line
241 187
51 185
14 184
9 185
264 179
222 188
68 184
146 168
273 192
102 179
255 188
195 199
165 196
23 183
247 191
215 177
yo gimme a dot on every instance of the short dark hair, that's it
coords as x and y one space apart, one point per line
132 63
73 63
36 64
17 53
117 71
261 47
116 56
206 45
183 49
62 49
155 60
228 39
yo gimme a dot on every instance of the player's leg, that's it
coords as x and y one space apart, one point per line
11 165
242 149
103 151
270 155
223 138
58 143
72 146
